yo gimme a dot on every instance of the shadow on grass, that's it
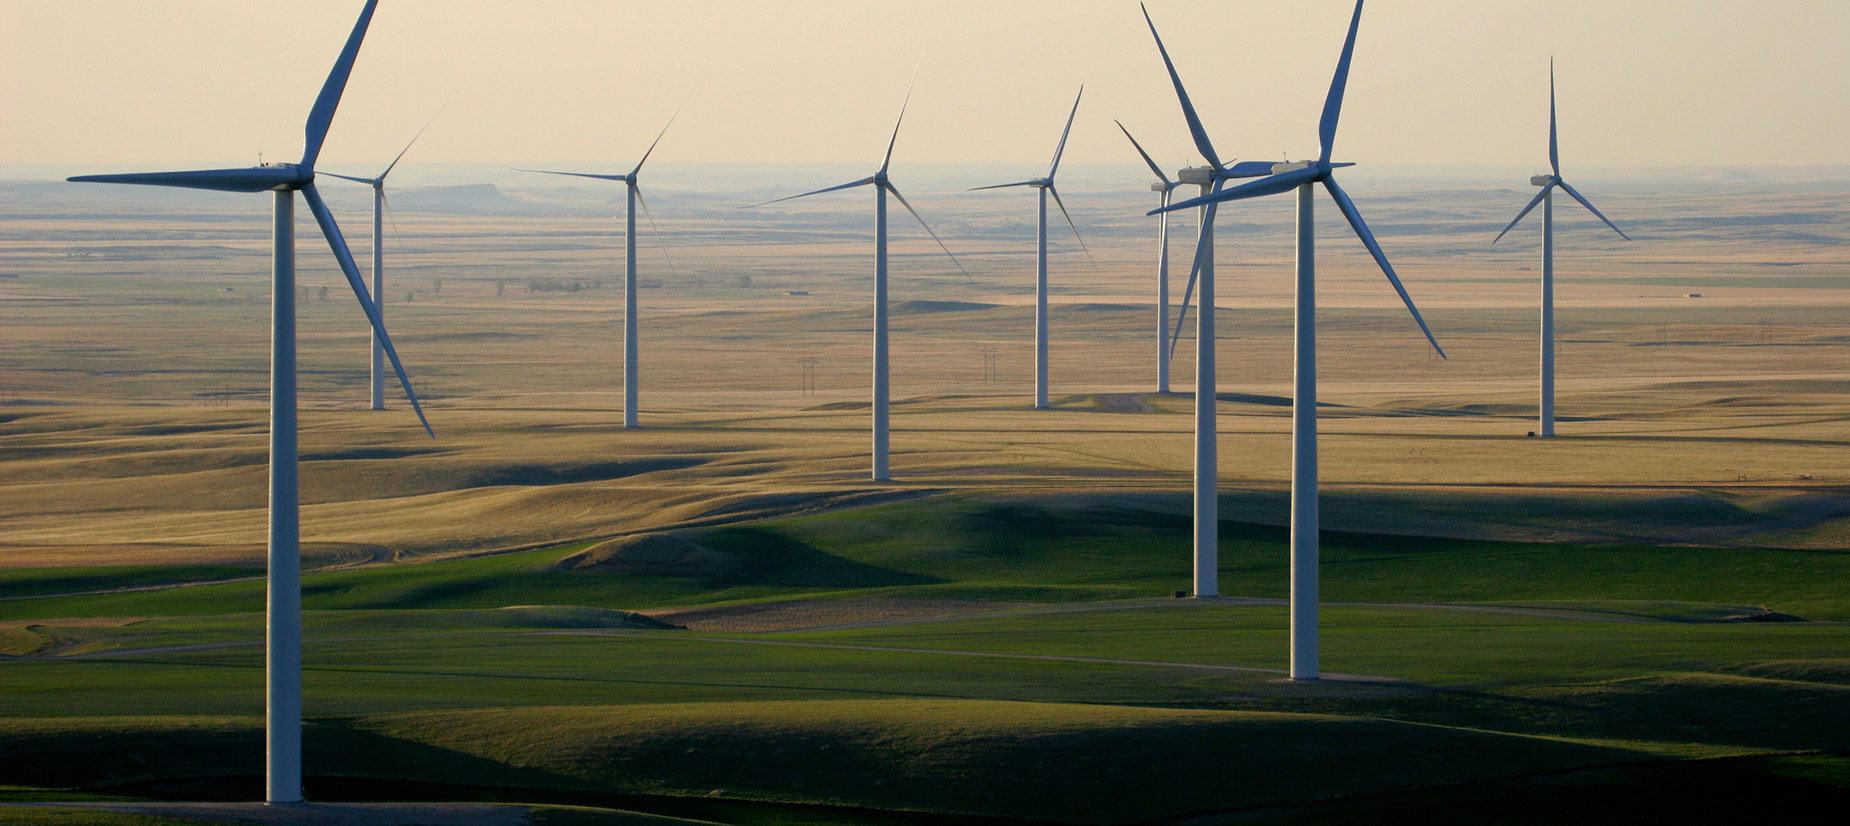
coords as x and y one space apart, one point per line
778 560
1728 790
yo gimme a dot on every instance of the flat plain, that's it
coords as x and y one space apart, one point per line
539 616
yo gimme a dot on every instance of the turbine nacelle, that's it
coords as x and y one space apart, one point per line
1197 175
1208 175
1326 167
1542 180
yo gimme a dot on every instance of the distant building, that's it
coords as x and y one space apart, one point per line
796 292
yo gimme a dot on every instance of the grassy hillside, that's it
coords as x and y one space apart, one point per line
1015 548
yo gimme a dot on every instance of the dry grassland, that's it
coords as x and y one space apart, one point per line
132 319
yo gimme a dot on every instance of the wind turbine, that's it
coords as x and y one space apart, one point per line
379 206
1302 177
629 181
1046 187
882 185
283 652
1165 188
1207 451
1547 199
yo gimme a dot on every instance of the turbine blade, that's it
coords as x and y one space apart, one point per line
576 174
1590 208
1554 140
1282 182
367 181
1146 156
884 162
1001 186
1524 213
1333 105
322 115
934 236
252 179
341 254
414 139
1368 240
1251 169
656 231
1194 270
658 137
389 218
849 185
1069 222
1058 150
1188 107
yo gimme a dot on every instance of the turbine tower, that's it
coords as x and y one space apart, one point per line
1207 451
629 180
882 185
1547 200
1046 187
379 207
1303 177
283 649
1165 188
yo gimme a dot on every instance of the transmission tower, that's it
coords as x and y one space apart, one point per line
808 365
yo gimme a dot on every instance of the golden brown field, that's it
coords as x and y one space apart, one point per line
133 367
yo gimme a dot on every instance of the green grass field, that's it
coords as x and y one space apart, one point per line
1460 673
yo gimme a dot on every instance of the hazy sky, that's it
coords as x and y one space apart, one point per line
1642 82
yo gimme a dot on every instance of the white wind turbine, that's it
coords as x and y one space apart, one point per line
1166 188
380 207
1547 200
283 624
629 180
1207 448
1303 177
882 185
1046 187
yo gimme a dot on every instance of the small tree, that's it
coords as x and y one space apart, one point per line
436 285
407 298
500 287
324 293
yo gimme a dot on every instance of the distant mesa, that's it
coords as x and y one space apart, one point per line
464 198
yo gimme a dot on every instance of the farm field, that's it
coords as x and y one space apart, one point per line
540 617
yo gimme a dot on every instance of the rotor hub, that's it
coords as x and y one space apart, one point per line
304 175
